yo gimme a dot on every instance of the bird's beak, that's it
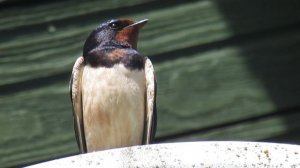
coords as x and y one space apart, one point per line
138 24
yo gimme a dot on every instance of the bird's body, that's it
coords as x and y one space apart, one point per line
114 102
113 90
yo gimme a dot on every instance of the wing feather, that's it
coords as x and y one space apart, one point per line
76 98
150 124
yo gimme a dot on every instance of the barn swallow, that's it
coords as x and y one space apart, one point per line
113 89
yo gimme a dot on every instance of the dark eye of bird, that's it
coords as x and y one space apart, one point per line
114 25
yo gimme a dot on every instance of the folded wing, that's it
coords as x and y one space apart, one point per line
76 98
150 125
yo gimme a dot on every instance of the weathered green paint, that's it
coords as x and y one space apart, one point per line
223 71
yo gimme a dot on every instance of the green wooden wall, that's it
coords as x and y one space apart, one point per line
226 70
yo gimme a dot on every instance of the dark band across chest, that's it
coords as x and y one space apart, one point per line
108 57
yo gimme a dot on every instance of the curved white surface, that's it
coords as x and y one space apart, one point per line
229 154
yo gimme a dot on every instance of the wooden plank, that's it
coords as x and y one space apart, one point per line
52 11
219 85
200 23
201 90
280 128
36 125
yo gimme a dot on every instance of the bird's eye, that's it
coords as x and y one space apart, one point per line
114 25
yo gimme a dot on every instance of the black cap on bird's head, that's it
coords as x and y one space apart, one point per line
120 32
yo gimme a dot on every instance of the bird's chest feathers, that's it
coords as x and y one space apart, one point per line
113 102
113 89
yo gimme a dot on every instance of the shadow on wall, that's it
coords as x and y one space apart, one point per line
273 55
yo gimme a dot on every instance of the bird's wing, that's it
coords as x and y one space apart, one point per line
150 124
75 93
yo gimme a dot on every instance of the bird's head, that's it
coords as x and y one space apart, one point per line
120 32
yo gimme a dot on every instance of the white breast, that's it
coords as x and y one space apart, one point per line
113 106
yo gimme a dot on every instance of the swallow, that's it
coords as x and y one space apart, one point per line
113 89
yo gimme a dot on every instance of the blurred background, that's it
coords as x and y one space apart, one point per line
226 70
